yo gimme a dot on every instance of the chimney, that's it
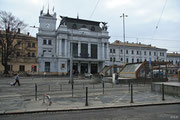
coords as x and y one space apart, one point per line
28 33
19 30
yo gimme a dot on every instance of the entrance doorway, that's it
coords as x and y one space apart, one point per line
75 68
84 68
94 68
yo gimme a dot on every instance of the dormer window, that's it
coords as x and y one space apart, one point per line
74 26
92 28
83 26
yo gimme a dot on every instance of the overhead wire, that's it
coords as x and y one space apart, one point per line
94 9
157 25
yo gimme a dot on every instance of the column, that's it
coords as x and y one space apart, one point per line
107 51
102 51
60 47
99 53
89 50
79 49
89 67
65 48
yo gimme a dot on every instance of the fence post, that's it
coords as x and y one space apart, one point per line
131 93
129 85
72 89
86 104
35 91
103 87
163 92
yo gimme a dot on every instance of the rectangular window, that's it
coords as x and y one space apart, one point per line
154 53
75 49
137 52
110 58
94 51
110 50
144 52
126 51
62 66
29 44
84 50
29 55
49 42
132 52
149 53
44 42
121 51
114 59
18 43
33 45
22 68
10 67
114 51
47 66
33 54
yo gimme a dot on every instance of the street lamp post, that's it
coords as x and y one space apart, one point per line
123 16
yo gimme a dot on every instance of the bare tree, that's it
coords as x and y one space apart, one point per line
9 25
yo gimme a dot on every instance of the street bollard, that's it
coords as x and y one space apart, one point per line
131 93
129 86
163 92
86 104
35 91
103 87
72 89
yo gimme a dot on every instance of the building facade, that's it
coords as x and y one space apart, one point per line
174 58
134 52
23 59
88 40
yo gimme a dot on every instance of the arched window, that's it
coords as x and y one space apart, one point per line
92 28
83 26
74 26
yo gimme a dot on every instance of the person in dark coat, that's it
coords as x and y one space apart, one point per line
17 80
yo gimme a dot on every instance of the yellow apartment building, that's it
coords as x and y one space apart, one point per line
23 60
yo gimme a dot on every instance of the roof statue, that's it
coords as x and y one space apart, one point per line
104 26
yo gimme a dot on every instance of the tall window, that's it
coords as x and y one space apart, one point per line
44 42
144 52
33 45
94 51
126 51
132 52
29 44
121 59
137 52
21 68
149 53
132 60
114 51
127 60
29 54
49 42
47 66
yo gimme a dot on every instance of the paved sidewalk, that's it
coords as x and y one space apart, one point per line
21 99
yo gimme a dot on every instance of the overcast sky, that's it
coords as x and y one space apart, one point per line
143 17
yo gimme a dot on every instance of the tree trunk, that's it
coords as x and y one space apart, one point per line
6 69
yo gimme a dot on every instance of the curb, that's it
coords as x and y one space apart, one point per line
90 108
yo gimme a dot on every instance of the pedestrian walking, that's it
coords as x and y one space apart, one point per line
17 80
